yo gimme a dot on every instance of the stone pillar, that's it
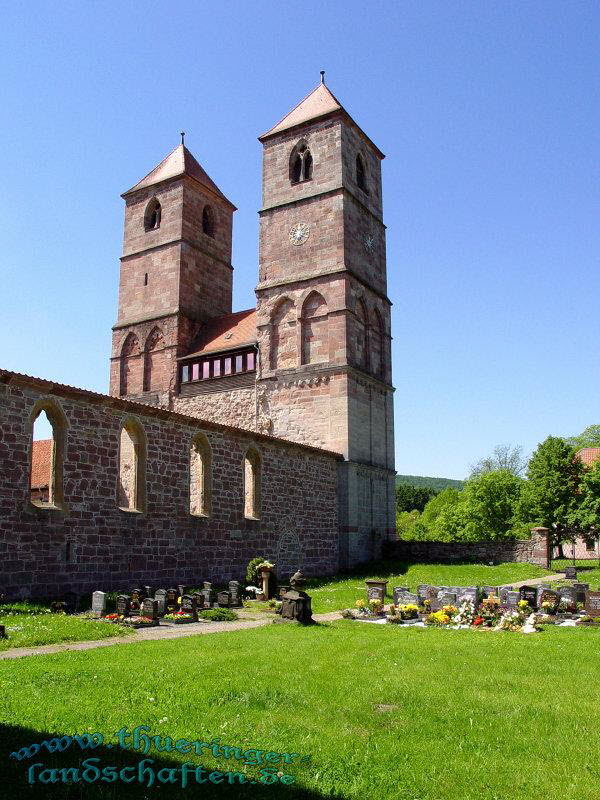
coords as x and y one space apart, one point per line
541 551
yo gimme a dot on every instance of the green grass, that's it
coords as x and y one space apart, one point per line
30 625
382 712
333 594
588 571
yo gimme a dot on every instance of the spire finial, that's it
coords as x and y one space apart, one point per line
182 134
322 76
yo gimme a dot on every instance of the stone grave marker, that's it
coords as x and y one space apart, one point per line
188 605
512 599
504 590
376 590
161 598
235 592
150 609
199 598
99 603
569 593
136 598
530 594
580 590
549 596
148 592
182 589
571 573
171 598
468 593
209 594
486 591
405 597
282 590
123 605
447 598
398 592
223 599
592 603
422 590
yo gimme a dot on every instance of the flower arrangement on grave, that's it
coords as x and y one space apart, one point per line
376 605
438 618
523 605
409 611
510 621
465 615
139 622
264 565
549 607
566 606
114 617
478 621
361 605
489 612
179 617
449 610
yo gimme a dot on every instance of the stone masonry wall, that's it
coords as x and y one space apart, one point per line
113 549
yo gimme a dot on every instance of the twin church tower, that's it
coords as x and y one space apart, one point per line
312 362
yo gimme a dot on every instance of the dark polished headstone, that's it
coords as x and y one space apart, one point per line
592 603
149 608
571 573
188 605
530 594
123 604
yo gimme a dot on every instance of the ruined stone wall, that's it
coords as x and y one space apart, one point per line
163 543
235 407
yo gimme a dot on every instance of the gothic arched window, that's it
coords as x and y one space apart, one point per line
130 356
154 362
301 163
208 221
315 330
360 348
200 476
361 178
131 486
152 215
252 483
47 455
283 335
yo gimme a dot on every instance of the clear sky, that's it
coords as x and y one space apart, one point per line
489 117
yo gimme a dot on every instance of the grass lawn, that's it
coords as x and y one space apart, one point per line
382 712
333 594
27 629
587 572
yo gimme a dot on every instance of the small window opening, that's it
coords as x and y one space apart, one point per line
301 163
42 461
360 173
68 552
152 215
208 221
307 166
146 279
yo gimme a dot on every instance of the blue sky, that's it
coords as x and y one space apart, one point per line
488 114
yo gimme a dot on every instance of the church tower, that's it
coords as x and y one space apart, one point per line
176 274
323 315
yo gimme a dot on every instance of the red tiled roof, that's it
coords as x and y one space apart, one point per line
589 455
41 463
226 333
179 162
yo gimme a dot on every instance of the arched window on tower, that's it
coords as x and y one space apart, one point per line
155 364
131 485
315 330
360 350
361 178
301 163
377 345
208 221
48 439
200 476
152 215
283 335
252 483
130 366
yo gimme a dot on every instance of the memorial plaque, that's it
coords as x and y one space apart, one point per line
580 589
568 593
99 603
188 605
223 599
150 608
123 605
592 603
571 573
530 594
447 599
512 599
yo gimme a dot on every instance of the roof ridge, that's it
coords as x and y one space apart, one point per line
318 88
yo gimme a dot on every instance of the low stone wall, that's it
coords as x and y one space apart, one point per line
533 551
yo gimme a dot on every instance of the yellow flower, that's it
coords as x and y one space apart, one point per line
360 604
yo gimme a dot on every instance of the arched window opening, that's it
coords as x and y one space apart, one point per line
131 488
361 179
155 365
252 484
301 163
283 336
129 366
200 476
208 221
47 455
377 346
361 336
315 330
152 215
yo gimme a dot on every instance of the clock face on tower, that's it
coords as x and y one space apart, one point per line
299 233
369 242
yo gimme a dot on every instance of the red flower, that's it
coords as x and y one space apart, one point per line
478 621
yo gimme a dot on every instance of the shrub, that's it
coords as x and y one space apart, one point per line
252 575
218 615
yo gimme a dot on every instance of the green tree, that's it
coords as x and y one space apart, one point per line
589 438
504 457
551 493
412 498
490 504
585 514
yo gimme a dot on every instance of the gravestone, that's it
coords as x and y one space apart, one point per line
398 592
161 598
512 599
580 589
199 598
99 603
592 603
188 605
447 599
209 595
486 591
171 598
282 590
468 593
571 573
235 592
148 592
136 598
376 590
549 596
181 589
530 594
123 605
422 590
404 597
223 599
570 594
150 609
296 605
504 590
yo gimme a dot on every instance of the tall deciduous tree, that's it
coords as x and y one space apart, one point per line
551 493
505 457
585 516
589 438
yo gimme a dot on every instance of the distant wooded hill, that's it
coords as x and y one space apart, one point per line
431 483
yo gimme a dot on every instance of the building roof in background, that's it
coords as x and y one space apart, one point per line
179 162
589 455
226 333
41 463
